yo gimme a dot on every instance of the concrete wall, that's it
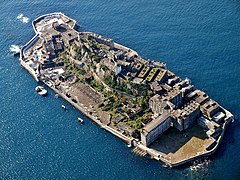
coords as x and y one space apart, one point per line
192 118
148 137
178 124
28 45
177 100
155 107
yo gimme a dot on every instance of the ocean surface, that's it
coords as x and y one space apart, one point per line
197 39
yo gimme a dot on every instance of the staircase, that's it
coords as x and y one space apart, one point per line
140 152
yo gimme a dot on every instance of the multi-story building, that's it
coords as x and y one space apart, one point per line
101 39
213 128
155 128
158 105
162 76
210 108
174 95
181 118
156 87
186 116
70 36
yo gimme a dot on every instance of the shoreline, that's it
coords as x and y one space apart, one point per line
131 141
81 109
151 152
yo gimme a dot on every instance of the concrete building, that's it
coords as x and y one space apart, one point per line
119 55
156 88
155 128
136 67
219 117
186 116
101 39
69 37
126 129
198 96
49 48
210 108
58 43
162 76
187 89
172 81
125 65
158 105
118 69
213 128
158 64
152 74
201 98
166 87
144 72
174 95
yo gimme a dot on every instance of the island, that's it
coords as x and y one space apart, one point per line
158 114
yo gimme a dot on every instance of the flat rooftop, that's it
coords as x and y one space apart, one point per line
156 122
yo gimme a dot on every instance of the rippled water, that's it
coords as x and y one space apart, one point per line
197 39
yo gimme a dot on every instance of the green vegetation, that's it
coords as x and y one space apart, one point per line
81 71
117 104
76 70
78 52
109 80
97 59
95 84
72 68
136 124
124 99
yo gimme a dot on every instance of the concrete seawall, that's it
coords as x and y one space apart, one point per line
153 153
210 152
55 14
81 109
30 70
119 46
28 45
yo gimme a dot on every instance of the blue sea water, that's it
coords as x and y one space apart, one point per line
197 39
